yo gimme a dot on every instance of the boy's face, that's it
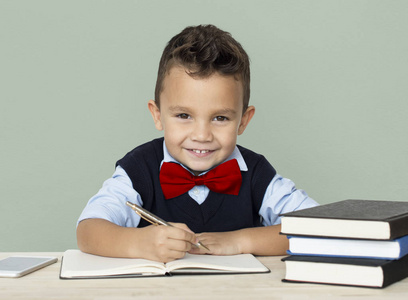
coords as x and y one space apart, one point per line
201 118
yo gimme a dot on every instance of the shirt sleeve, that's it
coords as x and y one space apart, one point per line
110 201
281 196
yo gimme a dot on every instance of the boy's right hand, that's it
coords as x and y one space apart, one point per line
166 243
159 243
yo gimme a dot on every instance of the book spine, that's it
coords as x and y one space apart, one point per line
403 244
398 227
395 270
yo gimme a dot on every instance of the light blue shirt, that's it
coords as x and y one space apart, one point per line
281 196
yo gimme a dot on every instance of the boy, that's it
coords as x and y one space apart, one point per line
201 104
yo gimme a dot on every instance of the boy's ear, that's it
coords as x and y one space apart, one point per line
246 117
155 111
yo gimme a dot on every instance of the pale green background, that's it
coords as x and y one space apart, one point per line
329 81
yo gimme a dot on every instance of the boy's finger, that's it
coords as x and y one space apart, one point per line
179 245
179 233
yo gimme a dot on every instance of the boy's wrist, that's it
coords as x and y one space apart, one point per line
244 241
262 241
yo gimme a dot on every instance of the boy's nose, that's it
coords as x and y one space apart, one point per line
201 133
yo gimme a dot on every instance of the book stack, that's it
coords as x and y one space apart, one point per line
351 242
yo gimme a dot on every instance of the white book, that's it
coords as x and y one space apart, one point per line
77 264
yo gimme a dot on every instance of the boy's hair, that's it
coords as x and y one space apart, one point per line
203 50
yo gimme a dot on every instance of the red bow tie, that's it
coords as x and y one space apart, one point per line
225 178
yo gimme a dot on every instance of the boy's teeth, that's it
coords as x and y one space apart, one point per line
202 151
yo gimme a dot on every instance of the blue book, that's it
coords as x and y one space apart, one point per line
337 247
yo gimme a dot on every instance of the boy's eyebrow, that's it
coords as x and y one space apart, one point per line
177 108
226 111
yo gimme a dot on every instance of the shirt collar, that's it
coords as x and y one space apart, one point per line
236 154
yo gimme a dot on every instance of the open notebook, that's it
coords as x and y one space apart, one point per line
76 264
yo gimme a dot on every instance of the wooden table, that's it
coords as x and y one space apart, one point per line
45 284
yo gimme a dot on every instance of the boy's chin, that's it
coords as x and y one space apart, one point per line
197 172
198 169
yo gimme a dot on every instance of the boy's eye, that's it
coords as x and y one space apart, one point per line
183 116
220 118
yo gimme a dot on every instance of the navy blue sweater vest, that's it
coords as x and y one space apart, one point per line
219 212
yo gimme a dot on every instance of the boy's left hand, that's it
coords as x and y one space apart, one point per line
220 243
264 240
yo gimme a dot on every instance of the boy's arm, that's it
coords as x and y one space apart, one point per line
159 243
258 241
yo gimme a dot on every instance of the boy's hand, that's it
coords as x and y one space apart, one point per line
220 243
264 240
166 243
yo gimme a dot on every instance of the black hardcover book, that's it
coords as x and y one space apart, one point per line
376 273
360 219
